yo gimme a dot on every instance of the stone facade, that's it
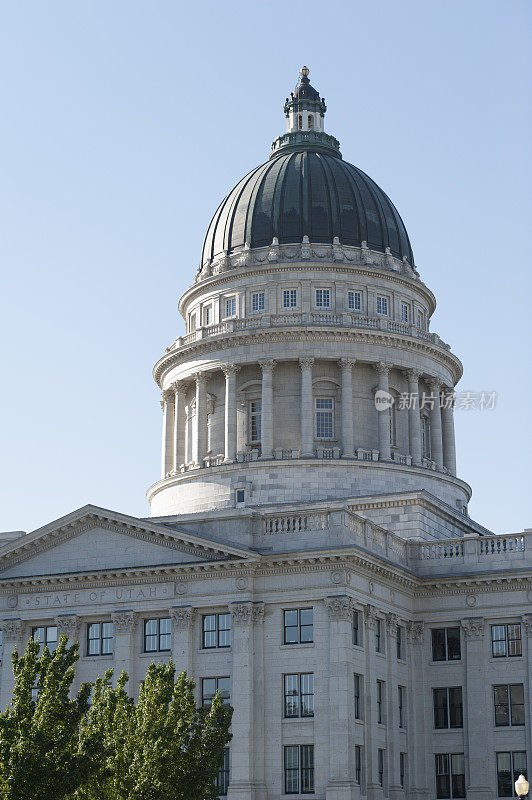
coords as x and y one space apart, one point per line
305 543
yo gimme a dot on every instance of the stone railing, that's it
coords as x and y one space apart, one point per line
471 554
346 320
296 522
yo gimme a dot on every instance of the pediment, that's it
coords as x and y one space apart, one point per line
94 540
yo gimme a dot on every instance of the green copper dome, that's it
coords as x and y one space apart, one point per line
306 189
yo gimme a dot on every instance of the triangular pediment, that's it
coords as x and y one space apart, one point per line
94 539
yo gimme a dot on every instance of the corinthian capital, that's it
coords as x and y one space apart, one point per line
434 384
414 632
241 614
413 374
67 625
267 364
473 627
392 623
12 630
124 621
230 370
179 387
183 617
347 363
306 363
383 367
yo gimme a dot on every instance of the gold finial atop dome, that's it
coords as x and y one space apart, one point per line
304 71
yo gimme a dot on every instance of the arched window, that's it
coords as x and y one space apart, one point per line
300 122
425 436
310 122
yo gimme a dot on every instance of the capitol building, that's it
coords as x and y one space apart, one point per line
309 551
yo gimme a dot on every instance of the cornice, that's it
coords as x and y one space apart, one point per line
273 268
300 333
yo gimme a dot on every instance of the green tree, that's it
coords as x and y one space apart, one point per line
42 756
163 747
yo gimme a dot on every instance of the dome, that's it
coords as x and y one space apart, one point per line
307 191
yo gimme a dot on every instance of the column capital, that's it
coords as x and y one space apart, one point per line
267 364
414 632
383 367
392 623
179 386
124 621
242 614
370 616
473 627
257 613
347 363
166 395
230 370
413 374
200 378
183 617
340 607
67 625
527 623
434 383
306 363
12 630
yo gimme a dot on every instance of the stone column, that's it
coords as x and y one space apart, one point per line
414 418
266 434
200 432
13 634
183 622
178 455
392 712
341 784
348 443
307 411
124 626
242 784
68 625
230 371
435 423
476 719
527 659
373 790
167 461
418 753
383 417
447 422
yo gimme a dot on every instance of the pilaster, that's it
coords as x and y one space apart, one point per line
348 444
124 626
183 622
373 790
418 753
307 412
477 766
13 635
266 435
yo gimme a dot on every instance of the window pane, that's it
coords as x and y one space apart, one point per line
453 644
438 644
94 630
455 708
517 704
307 768
107 629
504 775
502 715
519 764
307 695
164 625
208 690
514 640
93 648
307 616
224 687
291 696
440 708
498 640
224 630
150 627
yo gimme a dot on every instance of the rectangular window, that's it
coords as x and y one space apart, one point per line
446 644
509 767
358 765
209 687
216 631
421 320
379 638
299 769
400 642
405 312
222 779
47 636
298 626
356 628
450 776
207 315
289 298
255 420
509 705
157 635
323 298
354 301
382 305
99 638
324 418
506 641
229 307
401 700
358 697
192 323
448 710
402 770
380 766
299 695
380 702
257 301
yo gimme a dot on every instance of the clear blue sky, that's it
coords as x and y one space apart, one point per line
125 123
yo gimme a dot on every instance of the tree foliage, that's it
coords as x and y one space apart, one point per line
59 748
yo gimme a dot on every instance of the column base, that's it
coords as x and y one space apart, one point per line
347 455
246 790
374 792
479 793
342 790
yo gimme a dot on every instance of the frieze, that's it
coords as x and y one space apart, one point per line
89 597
